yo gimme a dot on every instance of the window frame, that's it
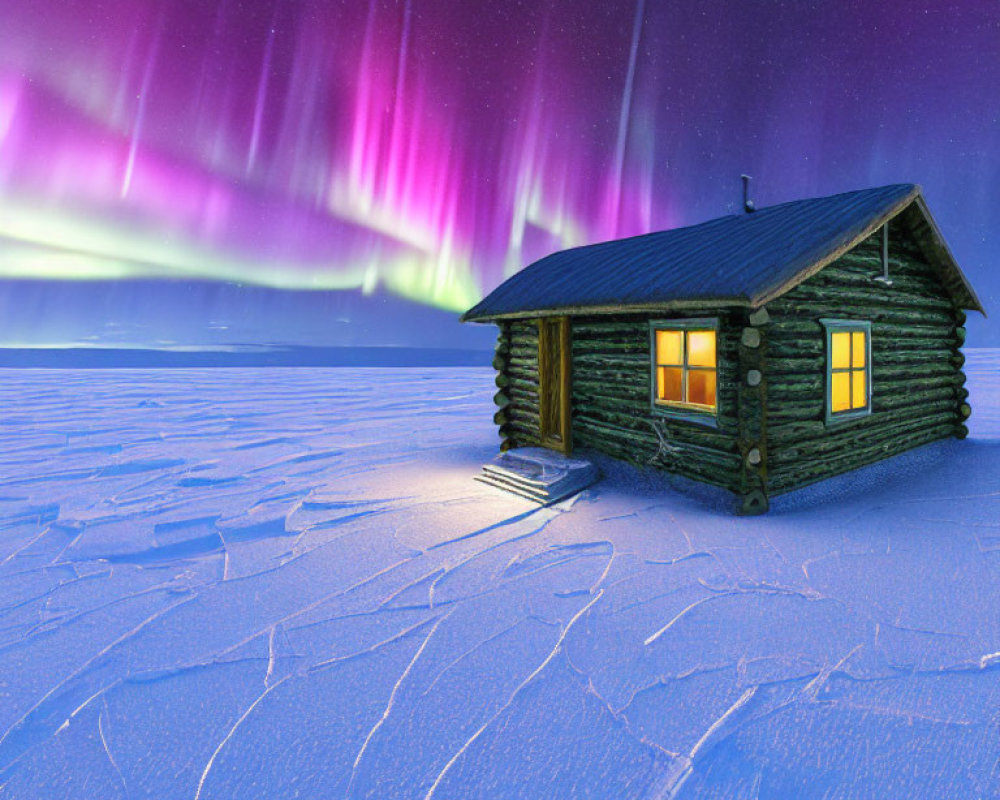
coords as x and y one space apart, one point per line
684 412
830 327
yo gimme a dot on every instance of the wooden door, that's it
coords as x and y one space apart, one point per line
554 385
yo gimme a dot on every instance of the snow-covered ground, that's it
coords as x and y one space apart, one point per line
285 583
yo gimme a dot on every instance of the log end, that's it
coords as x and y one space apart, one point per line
753 504
750 338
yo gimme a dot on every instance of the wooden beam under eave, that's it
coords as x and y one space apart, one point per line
710 304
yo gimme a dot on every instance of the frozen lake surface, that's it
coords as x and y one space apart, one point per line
285 583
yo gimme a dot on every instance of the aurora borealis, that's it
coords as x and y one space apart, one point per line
429 148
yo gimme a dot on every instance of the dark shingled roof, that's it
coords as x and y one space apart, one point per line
744 259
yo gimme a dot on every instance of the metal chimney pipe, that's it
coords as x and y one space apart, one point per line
748 205
884 277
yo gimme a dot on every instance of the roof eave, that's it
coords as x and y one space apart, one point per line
635 308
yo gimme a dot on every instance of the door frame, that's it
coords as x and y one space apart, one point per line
554 372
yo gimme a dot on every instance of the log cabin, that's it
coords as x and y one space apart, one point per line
759 352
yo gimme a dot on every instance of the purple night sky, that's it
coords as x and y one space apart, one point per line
426 149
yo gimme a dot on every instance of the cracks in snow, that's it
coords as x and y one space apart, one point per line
677 777
438 571
502 523
607 569
479 644
99 693
232 731
700 669
56 558
645 600
726 724
107 748
735 707
808 562
777 552
313 605
389 704
686 557
813 688
450 570
367 650
556 555
684 533
761 587
926 631
333 522
47 529
56 622
653 637
555 650
909 716
270 656
46 596
920 640
619 716
89 662
989 660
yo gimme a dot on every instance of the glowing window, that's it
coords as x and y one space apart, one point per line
684 366
848 370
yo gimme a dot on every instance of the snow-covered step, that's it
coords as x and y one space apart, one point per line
513 488
539 474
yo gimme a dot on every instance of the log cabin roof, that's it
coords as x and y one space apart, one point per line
745 260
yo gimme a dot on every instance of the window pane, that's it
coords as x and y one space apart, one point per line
858 349
668 347
701 348
840 358
701 387
859 389
669 384
840 391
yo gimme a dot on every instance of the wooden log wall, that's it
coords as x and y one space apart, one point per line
918 392
611 409
520 423
611 400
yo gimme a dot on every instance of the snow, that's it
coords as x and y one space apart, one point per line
285 582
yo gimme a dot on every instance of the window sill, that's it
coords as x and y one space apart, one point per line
706 419
834 420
